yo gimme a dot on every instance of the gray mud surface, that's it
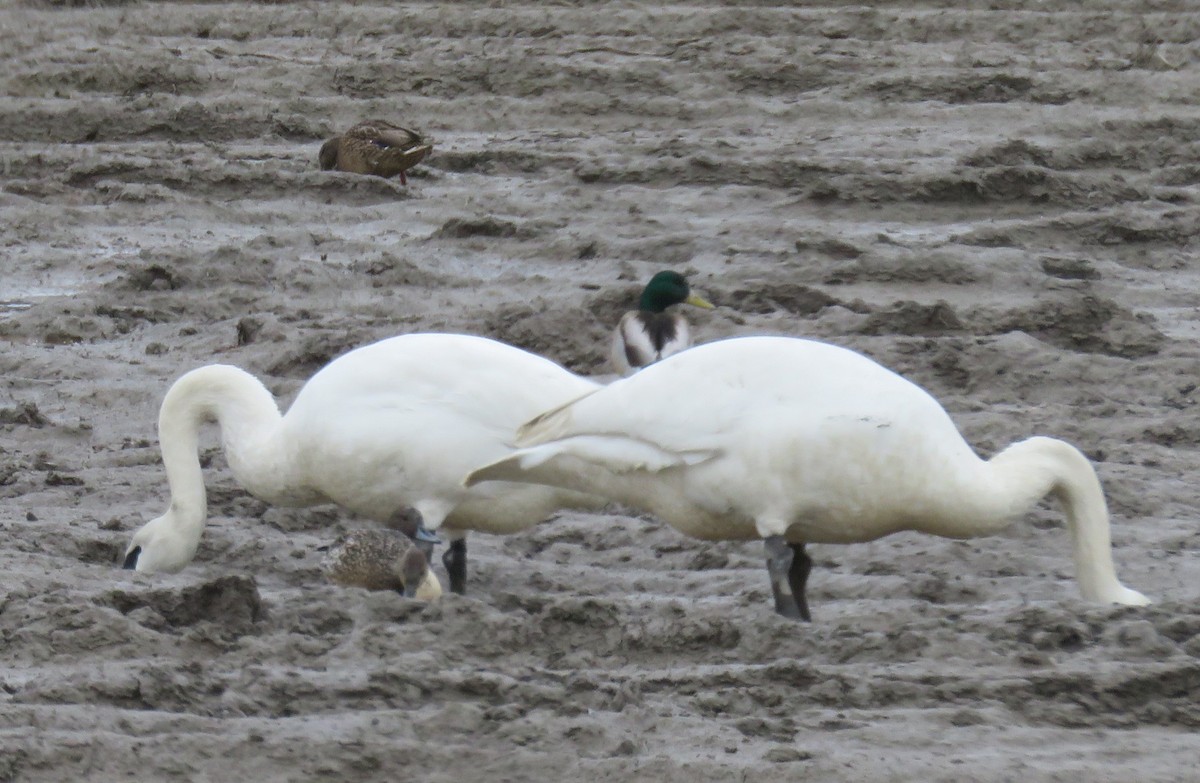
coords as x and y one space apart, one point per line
1000 204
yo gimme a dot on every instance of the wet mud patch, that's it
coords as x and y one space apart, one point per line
888 158
1164 696
25 414
975 88
487 227
148 687
790 298
564 335
1087 323
1069 268
392 271
231 605
929 266
167 74
314 352
914 319
1168 227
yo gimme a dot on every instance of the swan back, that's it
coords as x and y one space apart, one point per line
387 426
400 422
767 426
768 436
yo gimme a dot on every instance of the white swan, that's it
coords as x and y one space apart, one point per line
391 425
797 441
650 333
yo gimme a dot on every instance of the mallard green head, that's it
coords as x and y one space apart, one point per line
666 289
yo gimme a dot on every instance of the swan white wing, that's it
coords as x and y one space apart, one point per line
477 378
745 392
615 453
418 412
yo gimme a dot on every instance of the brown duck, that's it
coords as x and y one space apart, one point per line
375 147
376 559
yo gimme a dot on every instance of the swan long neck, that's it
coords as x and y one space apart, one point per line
1033 468
248 417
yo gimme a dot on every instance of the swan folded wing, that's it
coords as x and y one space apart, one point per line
614 453
550 425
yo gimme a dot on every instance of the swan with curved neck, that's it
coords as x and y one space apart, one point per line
390 425
796 441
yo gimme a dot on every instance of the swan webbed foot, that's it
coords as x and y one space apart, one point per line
788 566
455 560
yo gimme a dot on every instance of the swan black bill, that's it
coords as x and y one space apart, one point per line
425 540
425 535
131 559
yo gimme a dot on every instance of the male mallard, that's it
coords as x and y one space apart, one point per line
651 333
375 147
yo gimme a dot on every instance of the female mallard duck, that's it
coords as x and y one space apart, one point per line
389 426
796 441
375 147
650 333
381 560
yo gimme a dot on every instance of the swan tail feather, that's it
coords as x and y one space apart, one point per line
550 425
567 462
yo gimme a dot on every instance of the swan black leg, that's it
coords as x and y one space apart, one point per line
780 558
455 560
798 579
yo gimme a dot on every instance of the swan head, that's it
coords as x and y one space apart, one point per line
669 288
1127 597
160 546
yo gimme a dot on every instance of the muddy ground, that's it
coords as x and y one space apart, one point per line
998 200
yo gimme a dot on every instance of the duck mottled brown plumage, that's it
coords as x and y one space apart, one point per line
375 147
381 560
